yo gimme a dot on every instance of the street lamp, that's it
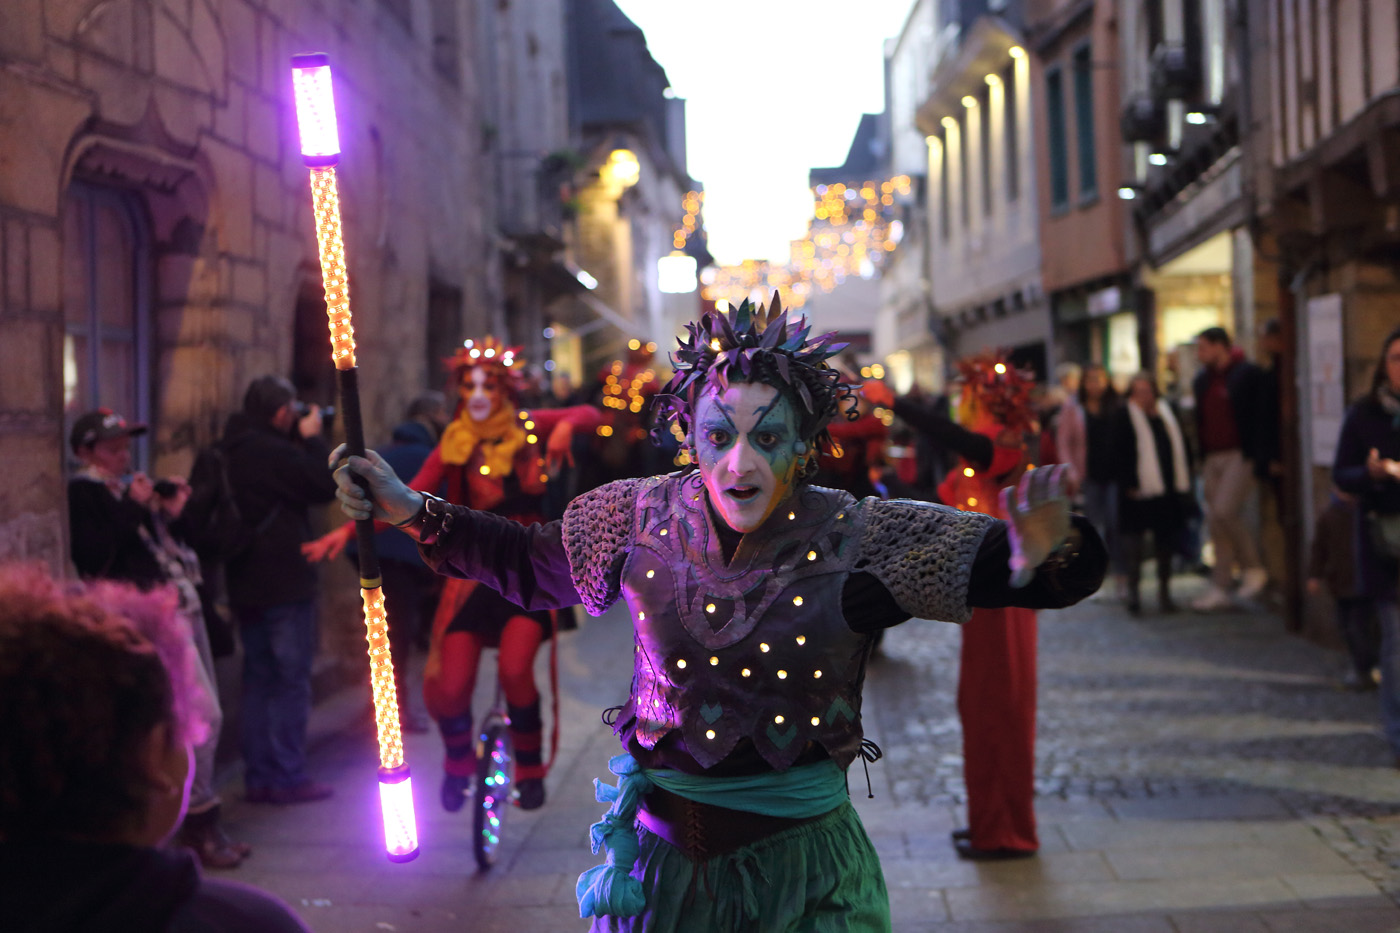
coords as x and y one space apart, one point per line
676 273
623 167
320 150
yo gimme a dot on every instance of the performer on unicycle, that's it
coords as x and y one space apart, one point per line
495 458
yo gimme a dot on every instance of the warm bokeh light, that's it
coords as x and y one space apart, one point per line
624 168
852 232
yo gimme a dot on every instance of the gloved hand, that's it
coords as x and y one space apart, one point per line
389 500
1037 510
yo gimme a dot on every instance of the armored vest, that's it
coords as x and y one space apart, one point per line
756 647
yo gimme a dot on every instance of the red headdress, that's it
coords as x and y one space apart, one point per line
490 352
995 390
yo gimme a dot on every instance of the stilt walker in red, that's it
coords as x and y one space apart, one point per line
997 670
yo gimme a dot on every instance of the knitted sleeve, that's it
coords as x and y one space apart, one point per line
923 554
598 529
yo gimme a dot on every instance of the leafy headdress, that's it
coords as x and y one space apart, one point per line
751 344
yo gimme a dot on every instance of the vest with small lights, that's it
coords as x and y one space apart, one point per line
755 648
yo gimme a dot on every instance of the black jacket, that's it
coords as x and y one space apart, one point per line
105 535
74 887
274 474
1254 411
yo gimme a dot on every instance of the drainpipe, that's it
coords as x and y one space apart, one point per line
1297 458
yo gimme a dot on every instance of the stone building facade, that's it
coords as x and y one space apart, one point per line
983 222
156 245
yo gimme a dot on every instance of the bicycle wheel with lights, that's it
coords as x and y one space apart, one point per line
495 780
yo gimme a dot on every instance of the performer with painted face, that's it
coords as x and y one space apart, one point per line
754 598
490 458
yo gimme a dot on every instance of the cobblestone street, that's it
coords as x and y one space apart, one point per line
1195 773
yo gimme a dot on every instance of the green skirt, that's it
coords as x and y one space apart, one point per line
820 877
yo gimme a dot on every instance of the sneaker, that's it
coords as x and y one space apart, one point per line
1253 582
530 793
1212 600
454 792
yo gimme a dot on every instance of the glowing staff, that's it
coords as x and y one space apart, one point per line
320 150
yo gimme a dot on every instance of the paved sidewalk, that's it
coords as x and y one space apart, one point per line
1196 773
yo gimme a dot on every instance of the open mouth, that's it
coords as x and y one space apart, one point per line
742 493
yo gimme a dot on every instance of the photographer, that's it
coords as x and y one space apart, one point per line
277 468
125 528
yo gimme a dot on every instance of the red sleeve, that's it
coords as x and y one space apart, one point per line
582 417
431 474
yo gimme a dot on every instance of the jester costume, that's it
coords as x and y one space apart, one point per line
495 464
731 810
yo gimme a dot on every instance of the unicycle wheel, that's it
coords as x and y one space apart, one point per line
495 780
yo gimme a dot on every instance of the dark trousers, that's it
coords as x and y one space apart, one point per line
1357 620
278 645
1134 546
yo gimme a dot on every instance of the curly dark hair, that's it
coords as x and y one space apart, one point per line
82 690
751 344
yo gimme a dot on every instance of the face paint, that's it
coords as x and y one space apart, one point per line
746 439
480 392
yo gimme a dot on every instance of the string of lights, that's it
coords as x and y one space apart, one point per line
852 231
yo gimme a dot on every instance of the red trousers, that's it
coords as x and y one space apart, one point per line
996 703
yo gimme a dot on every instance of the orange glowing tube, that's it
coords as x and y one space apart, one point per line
320 145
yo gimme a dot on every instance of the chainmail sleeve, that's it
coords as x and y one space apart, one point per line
598 529
923 554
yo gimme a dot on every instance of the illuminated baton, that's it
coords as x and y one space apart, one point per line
320 150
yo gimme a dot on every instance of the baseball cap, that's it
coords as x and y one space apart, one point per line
100 425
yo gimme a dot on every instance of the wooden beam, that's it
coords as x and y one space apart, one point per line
1383 163
1337 201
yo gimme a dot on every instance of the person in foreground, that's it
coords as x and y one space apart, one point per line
754 598
95 767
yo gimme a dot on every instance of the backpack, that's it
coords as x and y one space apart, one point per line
213 523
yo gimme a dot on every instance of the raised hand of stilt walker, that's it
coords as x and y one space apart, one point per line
1037 513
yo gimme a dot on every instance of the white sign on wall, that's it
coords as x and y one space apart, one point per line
1327 377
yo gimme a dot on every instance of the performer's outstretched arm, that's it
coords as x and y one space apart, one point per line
526 564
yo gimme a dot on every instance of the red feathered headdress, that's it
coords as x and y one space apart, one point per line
993 388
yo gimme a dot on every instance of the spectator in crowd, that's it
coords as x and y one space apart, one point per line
124 527
1070 425
96 775
1367 466
1154 480
1066 424
1332 565
1097 470
277 467
1230 413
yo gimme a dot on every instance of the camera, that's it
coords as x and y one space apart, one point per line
165 488
304 408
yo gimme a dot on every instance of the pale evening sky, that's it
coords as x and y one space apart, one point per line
772 89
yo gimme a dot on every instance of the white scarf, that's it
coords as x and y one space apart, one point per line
1149 471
